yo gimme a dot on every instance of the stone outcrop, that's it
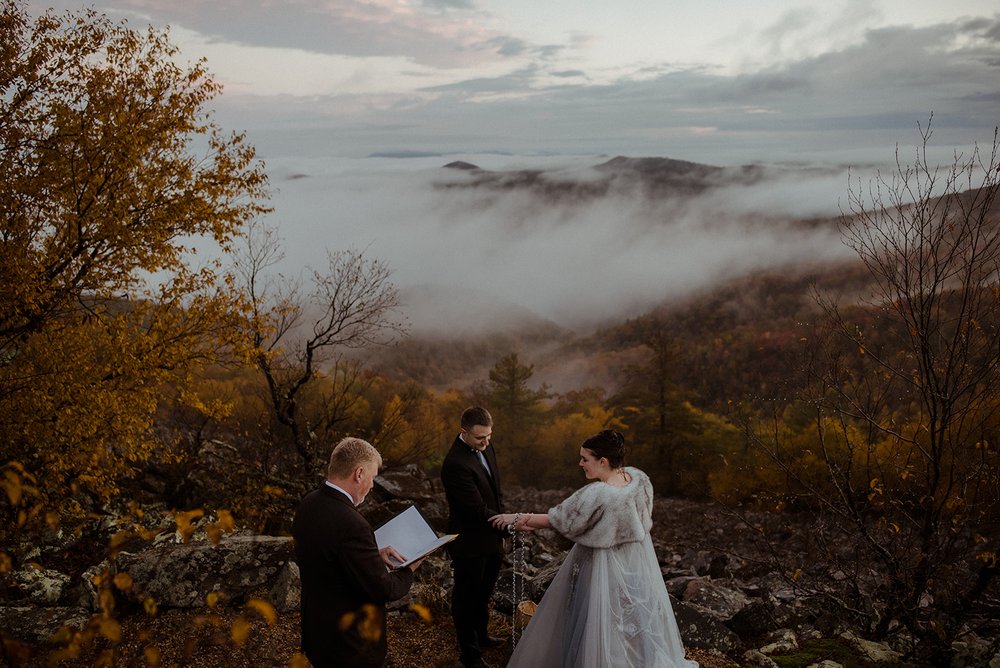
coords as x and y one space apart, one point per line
181 576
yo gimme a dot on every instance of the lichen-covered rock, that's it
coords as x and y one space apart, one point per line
183 575
875 652
718 600
406 482
35 624
700 629
758 659
760 616
782 641
286 594
37 586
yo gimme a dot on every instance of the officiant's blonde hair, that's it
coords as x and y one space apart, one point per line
348 455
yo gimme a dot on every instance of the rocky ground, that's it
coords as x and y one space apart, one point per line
186 638
732 609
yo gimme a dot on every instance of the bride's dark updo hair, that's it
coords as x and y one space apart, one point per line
610 444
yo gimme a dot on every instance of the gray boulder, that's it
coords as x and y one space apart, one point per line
38 586
701 629
182 575
760 616
717 600
874 652
756 658
286 594
406 482
782 641
38 624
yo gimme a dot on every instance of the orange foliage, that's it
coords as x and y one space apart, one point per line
102 184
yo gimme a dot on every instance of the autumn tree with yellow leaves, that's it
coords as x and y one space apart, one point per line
110 166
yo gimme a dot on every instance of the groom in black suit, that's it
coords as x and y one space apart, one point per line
346 579
471 482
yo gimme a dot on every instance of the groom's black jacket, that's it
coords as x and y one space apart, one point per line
473 497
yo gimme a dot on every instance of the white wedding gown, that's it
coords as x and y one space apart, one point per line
607 606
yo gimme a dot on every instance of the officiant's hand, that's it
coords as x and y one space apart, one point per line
391 557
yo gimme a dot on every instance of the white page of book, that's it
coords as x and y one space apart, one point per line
410 535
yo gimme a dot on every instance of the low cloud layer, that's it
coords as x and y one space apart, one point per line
468 255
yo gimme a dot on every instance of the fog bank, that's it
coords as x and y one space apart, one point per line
472 255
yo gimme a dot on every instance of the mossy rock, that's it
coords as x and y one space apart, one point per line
832 649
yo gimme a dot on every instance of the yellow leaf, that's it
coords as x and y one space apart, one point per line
135 509
152 655
149 605
346 620
117 540
107 600
148 534
240 631
11 484
226 522
63 636
422 612
184 522
298 661
111 630
214 533
264 609
123 581
212 599
370 626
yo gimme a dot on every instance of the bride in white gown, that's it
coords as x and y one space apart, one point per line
607 606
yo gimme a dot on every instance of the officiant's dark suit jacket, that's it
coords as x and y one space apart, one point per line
473 497
342 575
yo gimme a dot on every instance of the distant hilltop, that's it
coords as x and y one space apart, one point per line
461 164
655 177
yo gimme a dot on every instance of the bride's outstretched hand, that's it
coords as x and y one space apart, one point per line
506 521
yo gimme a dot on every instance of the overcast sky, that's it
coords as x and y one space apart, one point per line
717 81
321 85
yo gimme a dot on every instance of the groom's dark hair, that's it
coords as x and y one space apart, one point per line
476 415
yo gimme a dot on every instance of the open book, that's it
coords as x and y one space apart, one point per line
411 535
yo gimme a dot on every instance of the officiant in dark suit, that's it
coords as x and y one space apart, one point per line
346 579
471 482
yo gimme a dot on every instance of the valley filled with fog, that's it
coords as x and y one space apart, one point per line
574 241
